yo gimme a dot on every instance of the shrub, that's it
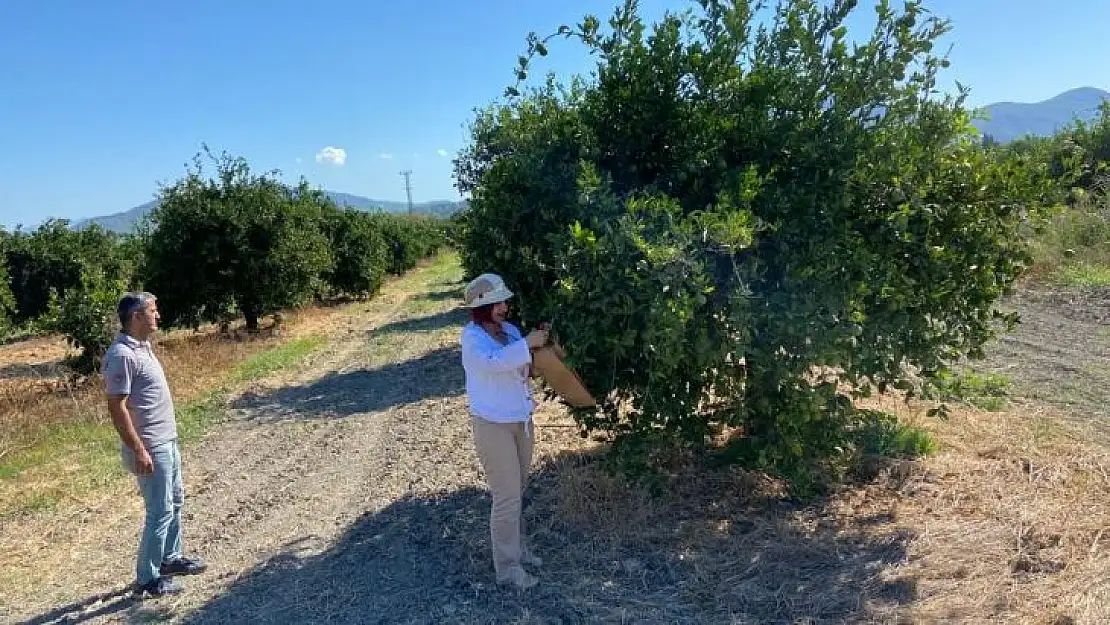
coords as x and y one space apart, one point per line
53 259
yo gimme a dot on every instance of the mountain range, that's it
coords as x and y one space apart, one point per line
126 221
1005 121
1011 120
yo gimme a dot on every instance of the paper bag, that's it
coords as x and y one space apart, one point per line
547 363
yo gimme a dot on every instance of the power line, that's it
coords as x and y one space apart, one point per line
408 186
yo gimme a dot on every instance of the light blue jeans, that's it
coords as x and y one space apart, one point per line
163 496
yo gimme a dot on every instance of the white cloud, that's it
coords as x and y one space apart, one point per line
335 156
385 155
299 160
441 152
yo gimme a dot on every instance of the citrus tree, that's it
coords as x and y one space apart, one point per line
86 316
7 303
52 259
746 219
361 251
237 242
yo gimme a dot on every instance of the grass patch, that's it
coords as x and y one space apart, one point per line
74 457
1074 250
882 434
985 391
277 359
1084 275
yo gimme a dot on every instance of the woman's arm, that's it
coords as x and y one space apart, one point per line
486 354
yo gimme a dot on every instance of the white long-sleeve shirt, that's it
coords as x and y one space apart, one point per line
497 375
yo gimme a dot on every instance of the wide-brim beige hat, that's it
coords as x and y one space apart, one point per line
486 289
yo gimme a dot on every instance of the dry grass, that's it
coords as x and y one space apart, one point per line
1009 522
1012 520
56 440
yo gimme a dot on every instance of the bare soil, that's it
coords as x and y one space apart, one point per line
348 492
1060 354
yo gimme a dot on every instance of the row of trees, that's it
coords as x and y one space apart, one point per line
1078 156
747 228
233 244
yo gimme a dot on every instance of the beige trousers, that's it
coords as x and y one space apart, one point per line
505 453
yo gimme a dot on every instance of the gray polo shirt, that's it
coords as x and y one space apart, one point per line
130 368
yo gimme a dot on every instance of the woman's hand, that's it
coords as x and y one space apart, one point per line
536 338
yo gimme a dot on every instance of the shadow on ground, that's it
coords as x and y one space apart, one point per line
430 323
712 551
41 371
437 374
94 607
441 296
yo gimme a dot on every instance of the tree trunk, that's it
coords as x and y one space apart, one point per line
251 315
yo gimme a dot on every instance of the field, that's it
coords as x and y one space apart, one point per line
330 477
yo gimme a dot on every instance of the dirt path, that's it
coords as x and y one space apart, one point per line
1060 354
348 492
300 458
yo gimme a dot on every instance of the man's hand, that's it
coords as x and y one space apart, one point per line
144 464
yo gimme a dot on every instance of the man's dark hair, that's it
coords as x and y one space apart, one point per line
129 303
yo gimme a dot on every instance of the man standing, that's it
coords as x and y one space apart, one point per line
143 414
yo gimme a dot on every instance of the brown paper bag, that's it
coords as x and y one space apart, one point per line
547 363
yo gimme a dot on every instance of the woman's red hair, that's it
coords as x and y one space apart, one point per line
482 314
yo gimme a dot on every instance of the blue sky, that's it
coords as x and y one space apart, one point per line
100 101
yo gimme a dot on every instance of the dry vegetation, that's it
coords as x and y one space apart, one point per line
1009 522
46 415
349 492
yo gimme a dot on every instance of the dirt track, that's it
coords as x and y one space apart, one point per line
348 492
345 492
1060 354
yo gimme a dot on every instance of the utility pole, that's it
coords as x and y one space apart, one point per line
408 186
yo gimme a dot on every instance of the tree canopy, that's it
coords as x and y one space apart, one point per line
746 226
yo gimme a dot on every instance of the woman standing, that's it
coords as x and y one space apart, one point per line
497 361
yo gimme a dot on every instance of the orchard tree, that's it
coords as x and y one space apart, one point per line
52 258
237 243
361 252
410 238
86 316
748 225
7 300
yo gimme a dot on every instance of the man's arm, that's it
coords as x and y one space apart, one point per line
121 419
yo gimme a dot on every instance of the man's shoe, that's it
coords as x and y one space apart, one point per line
159 587
519 578
183 566
530 559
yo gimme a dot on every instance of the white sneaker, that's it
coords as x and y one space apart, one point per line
518 577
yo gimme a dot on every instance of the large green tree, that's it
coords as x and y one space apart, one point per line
746 224
235 243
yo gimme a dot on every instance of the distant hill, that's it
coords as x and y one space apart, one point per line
127 220
1013 120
